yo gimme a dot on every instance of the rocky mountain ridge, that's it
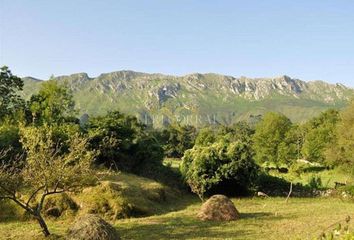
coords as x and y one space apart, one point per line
226 97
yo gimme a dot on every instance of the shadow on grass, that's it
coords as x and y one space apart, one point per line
182 202
179 228
256 215
189 227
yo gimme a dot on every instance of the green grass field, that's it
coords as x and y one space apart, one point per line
261 219
271 218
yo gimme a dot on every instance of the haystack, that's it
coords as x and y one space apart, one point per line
91 227
218 208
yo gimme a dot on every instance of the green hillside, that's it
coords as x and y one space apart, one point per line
198 99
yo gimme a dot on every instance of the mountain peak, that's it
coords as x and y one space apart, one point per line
199 95
123 75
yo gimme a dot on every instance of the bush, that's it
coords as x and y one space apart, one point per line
222 167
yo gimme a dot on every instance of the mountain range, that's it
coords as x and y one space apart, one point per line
198 99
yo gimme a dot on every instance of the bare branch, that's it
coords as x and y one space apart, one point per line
33 195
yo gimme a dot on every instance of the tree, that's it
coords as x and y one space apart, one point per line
289 150
320 134
45 170
240 131
176 139
122 142
341 150
53 104
10 101
222 167
269 136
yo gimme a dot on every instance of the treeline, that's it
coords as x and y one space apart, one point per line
236 159
325 140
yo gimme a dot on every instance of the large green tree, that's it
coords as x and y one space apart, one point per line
53 104
341 150
10 101
289 150
320 133
176 139
269 138
123 143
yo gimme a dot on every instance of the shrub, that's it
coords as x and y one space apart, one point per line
222 167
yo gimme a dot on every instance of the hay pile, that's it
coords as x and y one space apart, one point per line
91 227
218 208
125 195
59 205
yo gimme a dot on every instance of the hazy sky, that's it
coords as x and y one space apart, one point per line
306 39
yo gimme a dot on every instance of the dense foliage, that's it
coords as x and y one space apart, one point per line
271 134
320 134
176 139
225 166
341 150
123 143
53 104
10 101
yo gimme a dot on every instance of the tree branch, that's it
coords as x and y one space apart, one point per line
34 194
6 197
30 210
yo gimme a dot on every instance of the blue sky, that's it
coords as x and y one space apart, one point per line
304 39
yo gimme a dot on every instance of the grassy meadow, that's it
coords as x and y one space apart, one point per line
175 217
300 218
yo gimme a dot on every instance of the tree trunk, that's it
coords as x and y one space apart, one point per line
43 225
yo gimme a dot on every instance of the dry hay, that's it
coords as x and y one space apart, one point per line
218 208
60 204
91 227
